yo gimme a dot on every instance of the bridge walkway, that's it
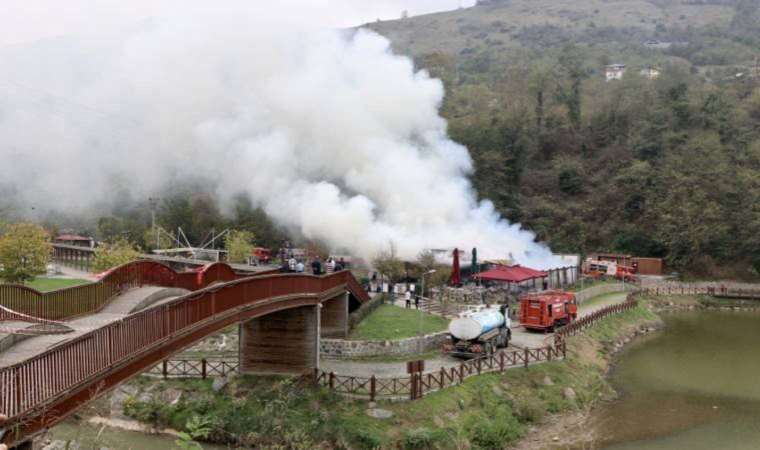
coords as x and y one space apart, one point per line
129 302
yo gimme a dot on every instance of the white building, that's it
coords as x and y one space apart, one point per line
651 73
614 72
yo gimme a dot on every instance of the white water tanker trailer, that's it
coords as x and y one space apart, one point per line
479 331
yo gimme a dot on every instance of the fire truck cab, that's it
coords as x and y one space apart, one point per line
547 310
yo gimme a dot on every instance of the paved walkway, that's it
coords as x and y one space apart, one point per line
70 272
118 308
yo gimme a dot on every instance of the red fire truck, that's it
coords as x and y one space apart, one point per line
260 256
547 310
598 269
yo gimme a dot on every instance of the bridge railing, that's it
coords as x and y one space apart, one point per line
90 298
28 387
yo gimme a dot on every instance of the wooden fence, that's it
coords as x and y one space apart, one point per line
417 385
195 368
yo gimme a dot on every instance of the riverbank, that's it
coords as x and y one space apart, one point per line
487 411
592 354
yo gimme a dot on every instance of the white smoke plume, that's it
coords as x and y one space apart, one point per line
332 134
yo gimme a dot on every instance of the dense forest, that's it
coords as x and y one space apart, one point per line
656 167
664 167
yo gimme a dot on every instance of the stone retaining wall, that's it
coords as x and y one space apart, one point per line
343 348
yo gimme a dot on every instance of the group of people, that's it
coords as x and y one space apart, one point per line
408 299
297 265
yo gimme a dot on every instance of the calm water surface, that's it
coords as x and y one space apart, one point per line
694 386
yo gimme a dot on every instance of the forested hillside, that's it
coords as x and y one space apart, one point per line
665 167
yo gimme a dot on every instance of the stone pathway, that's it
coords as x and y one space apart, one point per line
119 307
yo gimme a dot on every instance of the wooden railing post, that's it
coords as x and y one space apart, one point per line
501 361
332 380
526 357
165 369
17 377
372 388
203 368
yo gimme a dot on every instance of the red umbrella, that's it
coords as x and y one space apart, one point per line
456 276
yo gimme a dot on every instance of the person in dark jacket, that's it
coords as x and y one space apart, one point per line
316 267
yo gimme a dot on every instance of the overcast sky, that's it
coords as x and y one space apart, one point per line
30 20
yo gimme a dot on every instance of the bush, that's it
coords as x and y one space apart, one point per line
422 438
494 432
529 409
365 439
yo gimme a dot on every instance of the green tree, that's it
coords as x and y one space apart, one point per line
24 252
388 263
166 239
239 245
114 254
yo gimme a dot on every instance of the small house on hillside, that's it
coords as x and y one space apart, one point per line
651 73
614 72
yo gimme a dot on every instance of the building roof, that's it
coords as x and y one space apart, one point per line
511 274
72 237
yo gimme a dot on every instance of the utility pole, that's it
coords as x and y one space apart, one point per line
153 204
419 310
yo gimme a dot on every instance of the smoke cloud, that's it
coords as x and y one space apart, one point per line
332 134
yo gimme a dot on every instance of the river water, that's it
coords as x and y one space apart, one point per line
695 385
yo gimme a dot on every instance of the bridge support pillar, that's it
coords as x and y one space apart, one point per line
334 317
285 342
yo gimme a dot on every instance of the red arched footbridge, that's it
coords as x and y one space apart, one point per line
282 318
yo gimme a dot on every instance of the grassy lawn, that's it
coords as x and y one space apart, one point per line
52 284
603 299
391 322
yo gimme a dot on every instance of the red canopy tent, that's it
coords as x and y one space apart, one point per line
456 275
511 274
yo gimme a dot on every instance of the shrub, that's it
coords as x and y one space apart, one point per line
529 409
494 432
422 438
365 439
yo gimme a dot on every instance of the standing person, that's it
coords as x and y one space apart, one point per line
330 265
408 298
299 267
316 266
292 264
417 301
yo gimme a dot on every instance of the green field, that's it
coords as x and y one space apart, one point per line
391 322
52 284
